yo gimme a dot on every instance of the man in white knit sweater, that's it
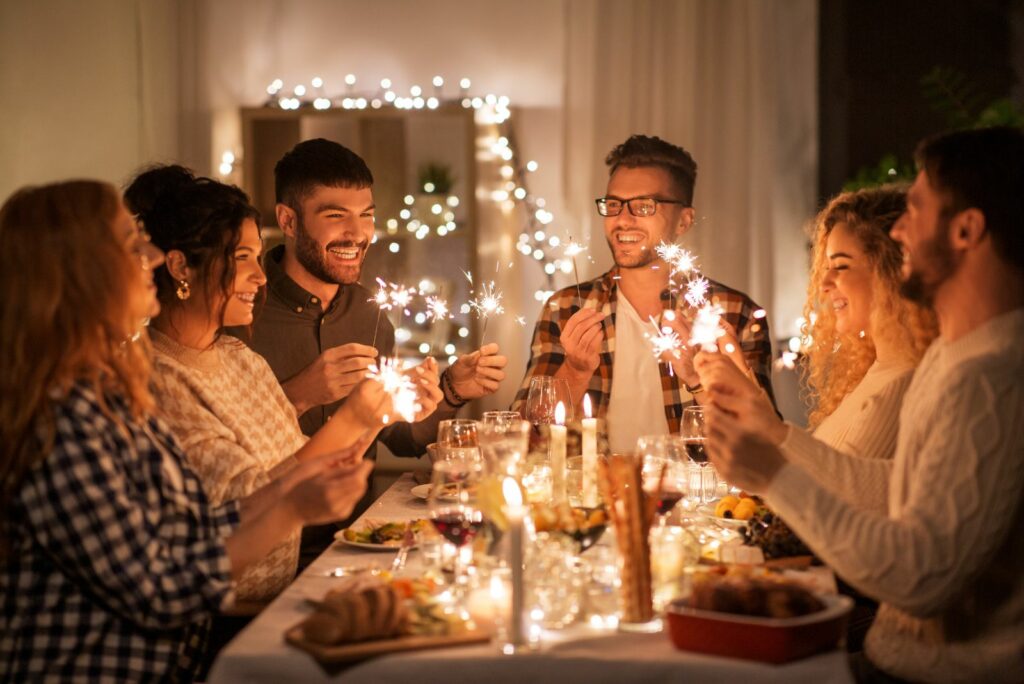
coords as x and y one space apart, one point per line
947 560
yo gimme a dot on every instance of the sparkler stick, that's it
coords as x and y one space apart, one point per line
437 310
383 301
571 250
666 341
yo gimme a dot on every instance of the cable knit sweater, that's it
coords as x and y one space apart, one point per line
947 562
864 427
238 431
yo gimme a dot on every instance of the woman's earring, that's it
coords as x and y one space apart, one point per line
183 291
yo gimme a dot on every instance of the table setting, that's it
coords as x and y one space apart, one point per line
532 552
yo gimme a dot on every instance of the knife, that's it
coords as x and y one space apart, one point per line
408 540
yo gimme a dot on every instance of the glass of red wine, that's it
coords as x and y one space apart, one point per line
664 470
703 482
453 506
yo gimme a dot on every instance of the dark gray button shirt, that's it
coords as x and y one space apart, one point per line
292 329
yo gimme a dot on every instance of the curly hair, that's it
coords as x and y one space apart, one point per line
835 363
63 279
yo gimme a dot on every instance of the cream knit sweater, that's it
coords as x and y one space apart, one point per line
947 561
851 451
238 431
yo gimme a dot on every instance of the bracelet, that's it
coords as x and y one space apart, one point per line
446 383
696 389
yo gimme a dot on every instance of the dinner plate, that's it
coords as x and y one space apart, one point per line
391 545
421 491
708 511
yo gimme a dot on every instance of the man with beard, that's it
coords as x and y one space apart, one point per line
946 562
317 328
596 333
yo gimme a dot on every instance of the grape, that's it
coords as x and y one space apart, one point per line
769 532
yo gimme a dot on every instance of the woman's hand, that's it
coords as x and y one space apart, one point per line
428 387
731 390
327 488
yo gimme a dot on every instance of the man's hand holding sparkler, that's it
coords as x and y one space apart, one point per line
731 390
581 338
476 374
332 376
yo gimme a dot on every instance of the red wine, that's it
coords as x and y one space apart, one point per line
667 501
695 449
457 528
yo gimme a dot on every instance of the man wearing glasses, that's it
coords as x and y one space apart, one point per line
590 336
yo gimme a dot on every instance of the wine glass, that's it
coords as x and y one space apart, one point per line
457 439
664 469
453 504
544 395
702 476
503 444
501 418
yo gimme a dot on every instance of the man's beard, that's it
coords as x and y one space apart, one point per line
313 257
937 263
641 260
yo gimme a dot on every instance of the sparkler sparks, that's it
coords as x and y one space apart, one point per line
680 260
382 299
437 309
399 386
486 303
666 341
707 327
571 250
697 291
401 296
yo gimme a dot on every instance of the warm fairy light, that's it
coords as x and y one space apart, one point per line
697 291
437 309
760 313
787 360
707 327
397 385
559 413
666 341
587 409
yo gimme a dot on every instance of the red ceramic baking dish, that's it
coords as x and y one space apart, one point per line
770 640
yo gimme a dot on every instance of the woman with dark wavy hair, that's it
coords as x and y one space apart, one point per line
112 558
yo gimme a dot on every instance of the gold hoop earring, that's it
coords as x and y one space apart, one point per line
183 291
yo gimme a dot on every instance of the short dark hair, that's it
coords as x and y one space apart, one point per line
317 162
644 150
200 217
982 169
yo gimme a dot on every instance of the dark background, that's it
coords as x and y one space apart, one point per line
872 55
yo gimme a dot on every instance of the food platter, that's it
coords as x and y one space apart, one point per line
708 511
378 535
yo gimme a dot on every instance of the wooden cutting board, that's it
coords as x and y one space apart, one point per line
350 653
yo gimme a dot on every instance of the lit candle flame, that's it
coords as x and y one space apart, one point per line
513 495
587 409
560 414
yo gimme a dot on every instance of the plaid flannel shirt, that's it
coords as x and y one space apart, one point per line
547 353
118 560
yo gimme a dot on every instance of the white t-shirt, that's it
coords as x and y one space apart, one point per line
636 407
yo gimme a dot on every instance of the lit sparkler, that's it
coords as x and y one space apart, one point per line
399 386
697 291
486 303
707 327
680 260
437 309
383 301
571 250
666 341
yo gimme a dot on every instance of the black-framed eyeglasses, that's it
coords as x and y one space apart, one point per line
638 206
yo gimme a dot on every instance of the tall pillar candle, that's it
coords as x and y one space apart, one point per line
589 455
558 433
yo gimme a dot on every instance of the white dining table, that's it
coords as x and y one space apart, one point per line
577 654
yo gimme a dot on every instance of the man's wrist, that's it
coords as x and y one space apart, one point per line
448 391
294 396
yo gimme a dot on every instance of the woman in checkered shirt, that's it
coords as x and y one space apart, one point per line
112 559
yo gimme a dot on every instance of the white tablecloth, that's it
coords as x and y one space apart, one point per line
260 654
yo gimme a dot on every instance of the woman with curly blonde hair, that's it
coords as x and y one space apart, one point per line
112 559
862 344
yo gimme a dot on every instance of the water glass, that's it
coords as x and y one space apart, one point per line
554 580
501 418
503 445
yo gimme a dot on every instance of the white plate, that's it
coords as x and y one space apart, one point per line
393 545
708 511
421 491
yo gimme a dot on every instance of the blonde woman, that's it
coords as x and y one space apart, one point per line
864 342
112 559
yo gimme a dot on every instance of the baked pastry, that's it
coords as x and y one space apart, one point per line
357 613
755 596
